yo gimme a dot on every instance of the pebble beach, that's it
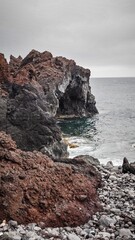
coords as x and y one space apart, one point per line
115 221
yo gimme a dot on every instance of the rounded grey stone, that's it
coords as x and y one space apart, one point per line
12 223
125 232
73 236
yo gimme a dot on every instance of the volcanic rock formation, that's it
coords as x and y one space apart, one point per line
34 92
33 188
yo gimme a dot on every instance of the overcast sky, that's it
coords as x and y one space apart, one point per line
97 34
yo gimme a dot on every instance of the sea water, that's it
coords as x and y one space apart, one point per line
109 135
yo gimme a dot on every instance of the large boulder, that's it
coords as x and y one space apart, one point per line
33 188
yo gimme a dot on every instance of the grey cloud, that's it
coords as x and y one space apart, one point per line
97 33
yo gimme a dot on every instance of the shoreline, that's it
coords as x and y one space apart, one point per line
116 221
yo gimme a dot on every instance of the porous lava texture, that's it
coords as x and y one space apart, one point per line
33 188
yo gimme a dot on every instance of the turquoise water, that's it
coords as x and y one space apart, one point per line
109 135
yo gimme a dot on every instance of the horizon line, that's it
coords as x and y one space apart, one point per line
112 77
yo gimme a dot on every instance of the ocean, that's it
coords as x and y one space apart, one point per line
109 135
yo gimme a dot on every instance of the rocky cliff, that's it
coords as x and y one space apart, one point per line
33 188
34 92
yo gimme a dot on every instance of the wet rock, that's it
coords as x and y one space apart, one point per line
128 167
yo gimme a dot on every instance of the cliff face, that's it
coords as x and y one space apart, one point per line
36 89
33 188
65 85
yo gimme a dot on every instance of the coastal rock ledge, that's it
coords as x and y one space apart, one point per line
33 188
37 90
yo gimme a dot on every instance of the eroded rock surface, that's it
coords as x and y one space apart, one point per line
34 91
33 188
65 85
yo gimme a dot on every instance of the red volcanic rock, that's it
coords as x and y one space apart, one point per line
24 75
14 63
33 188
5 71
5 76
3 68
66 85
42 88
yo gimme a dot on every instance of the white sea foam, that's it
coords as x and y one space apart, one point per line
109 135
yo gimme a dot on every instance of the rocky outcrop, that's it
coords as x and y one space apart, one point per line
25 112
4 75
30 124
4 71
37 90
128 167
33 188
65 85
